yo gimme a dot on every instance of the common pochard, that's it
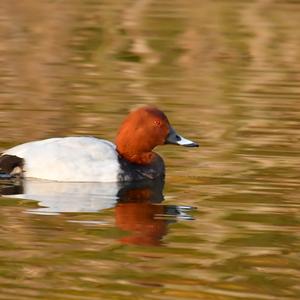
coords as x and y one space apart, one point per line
81 159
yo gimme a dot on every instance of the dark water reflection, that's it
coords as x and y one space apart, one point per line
227 75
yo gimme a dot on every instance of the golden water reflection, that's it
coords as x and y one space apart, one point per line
227 75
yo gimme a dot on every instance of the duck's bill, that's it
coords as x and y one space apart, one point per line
186 143
176 139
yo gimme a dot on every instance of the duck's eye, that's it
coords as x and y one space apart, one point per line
157 123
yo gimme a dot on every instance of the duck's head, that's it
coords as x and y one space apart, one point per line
144 129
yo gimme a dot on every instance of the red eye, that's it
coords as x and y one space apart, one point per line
157 123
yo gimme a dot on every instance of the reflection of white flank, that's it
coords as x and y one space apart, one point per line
57 197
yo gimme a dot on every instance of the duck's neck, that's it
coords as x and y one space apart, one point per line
142 158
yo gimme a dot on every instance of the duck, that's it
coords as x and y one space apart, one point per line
91 159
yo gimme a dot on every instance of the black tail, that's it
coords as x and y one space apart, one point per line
10 164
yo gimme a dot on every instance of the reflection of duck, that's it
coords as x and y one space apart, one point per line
58 197
86 159
137 213
137 204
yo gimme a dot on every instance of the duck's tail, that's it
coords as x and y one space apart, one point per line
10 166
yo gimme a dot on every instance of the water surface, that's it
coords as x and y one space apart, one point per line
225 226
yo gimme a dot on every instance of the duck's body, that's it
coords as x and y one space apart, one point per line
92 159
69 159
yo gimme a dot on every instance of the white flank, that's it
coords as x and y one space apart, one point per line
75 159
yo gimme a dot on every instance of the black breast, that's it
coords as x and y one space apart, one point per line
133 172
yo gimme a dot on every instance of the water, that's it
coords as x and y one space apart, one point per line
225 225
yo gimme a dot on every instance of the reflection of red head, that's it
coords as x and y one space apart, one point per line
138 217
